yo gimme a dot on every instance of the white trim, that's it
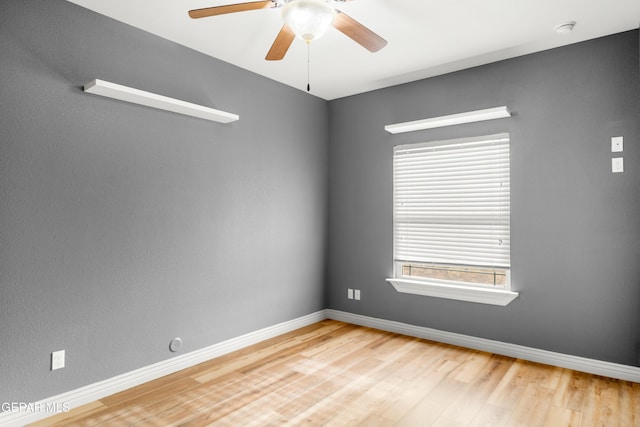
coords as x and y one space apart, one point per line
461 293
577 363
450 120
148 99
96 391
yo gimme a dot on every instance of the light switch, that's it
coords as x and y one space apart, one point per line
617 144
617 165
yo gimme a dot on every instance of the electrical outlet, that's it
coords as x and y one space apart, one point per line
57 360
350 293
356 294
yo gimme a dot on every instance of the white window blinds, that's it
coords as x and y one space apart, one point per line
451 202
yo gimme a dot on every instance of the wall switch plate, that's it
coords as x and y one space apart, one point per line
350 293
57 360
356 294
617 165
617 144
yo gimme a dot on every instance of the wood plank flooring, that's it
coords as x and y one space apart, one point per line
337 374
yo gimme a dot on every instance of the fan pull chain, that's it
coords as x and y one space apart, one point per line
308 66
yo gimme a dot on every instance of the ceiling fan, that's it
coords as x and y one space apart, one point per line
307 19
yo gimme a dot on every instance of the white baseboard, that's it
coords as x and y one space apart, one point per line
582 364
96 391
99 390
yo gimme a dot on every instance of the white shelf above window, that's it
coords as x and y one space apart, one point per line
136 96
450 120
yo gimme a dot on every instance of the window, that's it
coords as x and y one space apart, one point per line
451 214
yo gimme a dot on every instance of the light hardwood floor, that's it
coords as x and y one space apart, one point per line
336 374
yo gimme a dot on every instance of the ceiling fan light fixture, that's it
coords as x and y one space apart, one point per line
308 19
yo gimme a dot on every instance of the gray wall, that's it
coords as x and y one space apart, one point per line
121 226
575 225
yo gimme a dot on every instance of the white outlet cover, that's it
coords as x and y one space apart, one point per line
57 360
617 165
617 144
350 293
357 294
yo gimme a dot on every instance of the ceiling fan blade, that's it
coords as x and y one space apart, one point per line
231 8
281 44
358 32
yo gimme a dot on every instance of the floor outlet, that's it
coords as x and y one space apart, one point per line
57 360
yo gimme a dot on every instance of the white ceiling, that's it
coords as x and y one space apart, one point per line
425 37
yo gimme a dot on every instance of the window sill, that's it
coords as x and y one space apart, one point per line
461 293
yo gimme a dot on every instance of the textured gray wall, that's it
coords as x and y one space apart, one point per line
575 225
121 226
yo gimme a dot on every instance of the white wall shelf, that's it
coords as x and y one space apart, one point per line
136 96
450 120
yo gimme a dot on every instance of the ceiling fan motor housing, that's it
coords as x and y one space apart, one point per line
305 19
